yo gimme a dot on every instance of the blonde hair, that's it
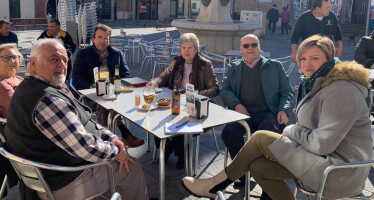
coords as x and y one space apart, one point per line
11 46
322 42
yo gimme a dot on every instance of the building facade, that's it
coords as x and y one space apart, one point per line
348 11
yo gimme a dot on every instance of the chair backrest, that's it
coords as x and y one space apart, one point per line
162 53
117 43
30 173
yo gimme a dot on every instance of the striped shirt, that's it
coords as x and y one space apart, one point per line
58 120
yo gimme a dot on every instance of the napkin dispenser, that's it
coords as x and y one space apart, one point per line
201 106
101 87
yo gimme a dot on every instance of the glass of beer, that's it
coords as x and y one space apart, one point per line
149 95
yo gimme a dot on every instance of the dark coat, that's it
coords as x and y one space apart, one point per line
364 53
65 37
11 38
273 15
88 58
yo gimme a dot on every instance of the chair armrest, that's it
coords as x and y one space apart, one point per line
342 166
61 168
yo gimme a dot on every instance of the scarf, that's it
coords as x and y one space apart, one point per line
307 83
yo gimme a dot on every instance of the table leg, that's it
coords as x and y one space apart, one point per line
247 175
148 142
162 169
186 154
190 154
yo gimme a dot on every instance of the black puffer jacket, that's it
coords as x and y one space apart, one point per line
364 53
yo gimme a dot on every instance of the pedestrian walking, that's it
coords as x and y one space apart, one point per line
273 17
285 19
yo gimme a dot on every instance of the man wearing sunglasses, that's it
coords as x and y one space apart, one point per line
258 87
319 20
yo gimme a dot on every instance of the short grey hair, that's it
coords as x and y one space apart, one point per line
36 48
11 46
190 37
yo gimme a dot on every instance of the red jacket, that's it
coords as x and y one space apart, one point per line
285 16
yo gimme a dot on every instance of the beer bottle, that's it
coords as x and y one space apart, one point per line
175 101
117 81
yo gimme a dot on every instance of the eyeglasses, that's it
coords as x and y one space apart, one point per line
253 45
8 58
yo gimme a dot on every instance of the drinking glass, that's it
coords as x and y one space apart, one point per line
149 95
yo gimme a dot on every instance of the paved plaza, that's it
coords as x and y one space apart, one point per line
210 162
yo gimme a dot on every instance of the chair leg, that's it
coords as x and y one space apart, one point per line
146 65
141 66
154 153
215 140
196 154
3 186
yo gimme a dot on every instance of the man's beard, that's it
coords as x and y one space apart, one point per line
58 80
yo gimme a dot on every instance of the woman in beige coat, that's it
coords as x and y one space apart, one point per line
333 127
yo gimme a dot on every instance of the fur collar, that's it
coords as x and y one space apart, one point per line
348 71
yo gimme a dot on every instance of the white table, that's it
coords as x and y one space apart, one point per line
124 106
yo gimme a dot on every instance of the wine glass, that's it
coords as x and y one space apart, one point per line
149 95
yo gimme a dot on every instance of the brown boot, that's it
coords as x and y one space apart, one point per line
132 141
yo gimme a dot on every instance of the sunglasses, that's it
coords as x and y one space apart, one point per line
253 45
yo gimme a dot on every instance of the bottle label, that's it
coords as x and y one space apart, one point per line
117 85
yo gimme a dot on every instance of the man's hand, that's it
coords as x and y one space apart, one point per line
282 117
293 57
339 52
241 109
122 157
294 51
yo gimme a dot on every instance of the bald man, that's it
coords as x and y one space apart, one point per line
257 87
47 124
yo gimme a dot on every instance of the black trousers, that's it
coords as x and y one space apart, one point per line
284 26
271 26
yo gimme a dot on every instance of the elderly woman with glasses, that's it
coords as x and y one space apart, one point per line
333 127
10 58
189 67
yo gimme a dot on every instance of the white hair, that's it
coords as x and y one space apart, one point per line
36 48
189 37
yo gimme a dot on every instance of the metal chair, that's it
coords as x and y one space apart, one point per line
2 140
220 196
116 196
216 58
319 195
30 173
148 55
163 57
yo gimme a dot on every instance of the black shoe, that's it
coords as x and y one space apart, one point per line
180 163
238 183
